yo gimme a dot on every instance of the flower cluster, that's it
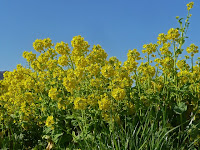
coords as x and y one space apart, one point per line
190 5
173 34
149 48
192 49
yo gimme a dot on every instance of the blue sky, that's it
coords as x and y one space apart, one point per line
117 25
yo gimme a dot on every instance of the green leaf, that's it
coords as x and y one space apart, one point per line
180 108
180 20
56 137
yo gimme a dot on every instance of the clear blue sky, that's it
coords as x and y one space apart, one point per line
117 25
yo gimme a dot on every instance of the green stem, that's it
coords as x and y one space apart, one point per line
137 84
148 75
192 63
181 117
174 59
175 73
72 64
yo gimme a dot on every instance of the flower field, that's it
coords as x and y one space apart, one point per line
74 97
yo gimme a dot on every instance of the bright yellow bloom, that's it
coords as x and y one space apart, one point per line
157 60
146 70
38 45
93 69
118 94
53 93
165 49
50 122
47 43
167 62
134 54
113 61
63 60
107 71
184 76
29 56
173 34
97 55
192 49
162 38
80 47
95 82
182 65
105 103
80 103
92 99
80 61
149 48
52 64
190 5
29 97
51 53
70 81
79 72
62 48
130 64
43 58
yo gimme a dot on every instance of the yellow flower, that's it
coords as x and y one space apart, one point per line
146 70
80 103
182 65
70 81
162 38
93 69
95 82
63 60
47 43
192 49
28 97
173 34
167 62
52 64
92 99
190 5
53 93
79 72
50 122
133 54
149 48
130 65
107 71
97 55
43 58
165 49
29 56
80 61
38 45
62 48
80 46
105 103
157 60
118 93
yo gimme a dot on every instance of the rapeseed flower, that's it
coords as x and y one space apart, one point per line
118 93
190 5
53 93
49 122
80 103
173 34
